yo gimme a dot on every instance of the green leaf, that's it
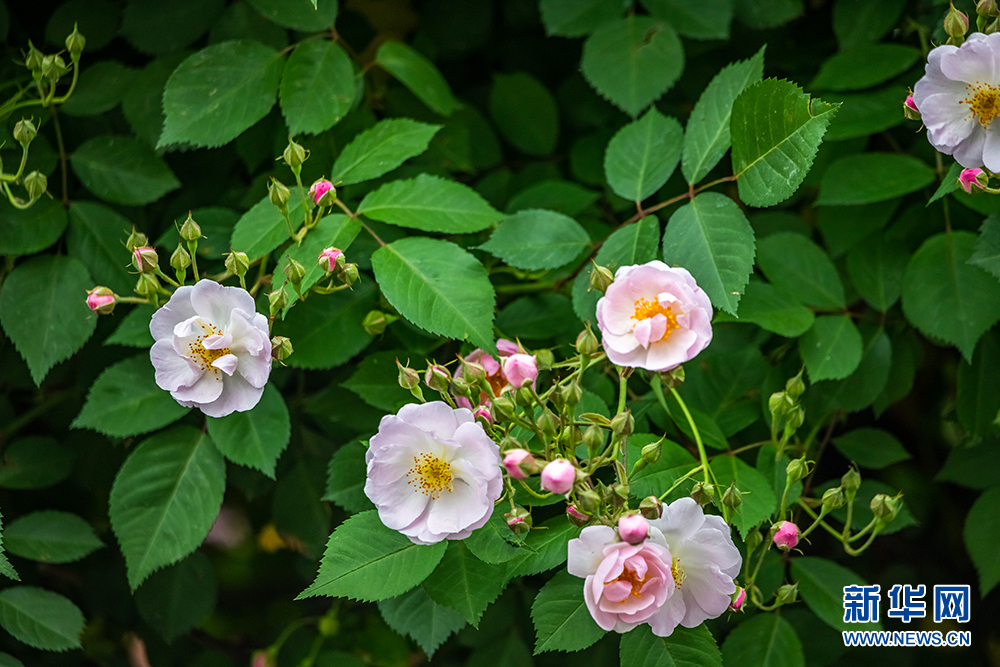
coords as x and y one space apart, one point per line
642 155
945 297
263 228
97 19
799 267
563 197
576 18
159 27
534 239
776 131
7 660
562 620
179 597
712 239
302 15
35 462
862 387
314 323
759 500
27 231
876 268
123 170
525 113
707 136
364 560
419 75
546 548
633 61
100 89
133 329
655 478
864 66
987 253
774 310
982 528
708 19
51 537
380 149
763 14
220 91
821 585
464 583
376 381
832 349
298 509
863 114
125 400
317 87
41 618
973 467
430 204
845 227
870 177
857 22
765 640
165 499
871 448
538 316
346 477
44 312
439 287
685 647
97 238
495 542
142 103
415 614
977 402
6 569
255 438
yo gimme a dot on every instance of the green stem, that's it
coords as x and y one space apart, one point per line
688 475
532 491
193 251
702 454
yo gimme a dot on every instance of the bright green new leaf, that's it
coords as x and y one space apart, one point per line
799 267
982 525
313 324
685 647
27 231
430 204
870 177
525 113
415 614
759 500
773 310
302 15
642 155
987 253
41 618
534 239
977 402
871 448
776 131
35 462
945 297
220 91
562 620
633 61
766 640
832 349
179 597
464 583
706 19
44 312
707 136
418 74
263 228
165 498
346 477
125 400
821 585
123 170
864 66
317 87
711 238
380 149
97 238
576 18
51 537
255 438
364 560
876 268
439 287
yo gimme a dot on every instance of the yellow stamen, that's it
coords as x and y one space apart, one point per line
677 572
984 103
630 577
430 475
645 310
203 356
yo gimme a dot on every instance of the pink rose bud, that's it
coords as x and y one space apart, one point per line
328 259
514 459
319 191
558 476
262 659
101 300
520 369
970 177
910 111
144 259
482 413
633 528
576 517
787 535
738 598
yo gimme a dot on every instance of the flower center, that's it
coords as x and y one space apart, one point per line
984 103
645 310
631 578
430 475
202 355
677 572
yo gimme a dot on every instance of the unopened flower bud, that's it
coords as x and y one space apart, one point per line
278 193
459 387
277 300
673 378
702 493
180 259
910 111
349 275
190 231
408 377
851 482
101 300
544 359
36 184
576 517
503 407
25 131
33 61
323 193
786 535
238 263
281 348
375 322
833 499
732 497
633 528
956 24
624 423
797 470
885 507
587 343
795 387
331 259
987 8
571 393
796 417
589 501
651 508
75 43
294 271
295 154
263 659
483 415
970 178
472 371
737 599
651 452
787 594
144 260
48 64
593 438
437 378
601 278
147 285
548 422
519 520
136 240
558 476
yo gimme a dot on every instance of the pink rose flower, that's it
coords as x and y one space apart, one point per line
558 476
969 178
520 369
787 535
633 528
514 459
212 348
495 373
319 189
654 316
433 473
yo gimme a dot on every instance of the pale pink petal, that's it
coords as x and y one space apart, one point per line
237 395
587 551
435 418
226 363
176 310
507 347
172 370
216 302
205 390
975 62
991 149
969 153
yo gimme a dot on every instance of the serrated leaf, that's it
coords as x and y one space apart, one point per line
707 19
415 614
44 312
165 499
263 228
832 348
311 326
430 204
6 569
35 462
871 448
774 310
41 618
534 239
220 91
862 387
576 18
380 149
418 74
563 197
876 268
464 583
96 238
711 238
7 660
346 477
766 640
142 103
561 618
707 136
376 381
800 268
302 15
333 231
51 537
158 27
495 542
871 177
122 170
525 113
945 297
776 130
364 560
821 585
982 527
133 329
255 438
179 597
987 253
439 287
863 114
856 22
317 87
633 61
125 400
864 66
642 155
537 317
759 500
27 231
977 402
685 647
